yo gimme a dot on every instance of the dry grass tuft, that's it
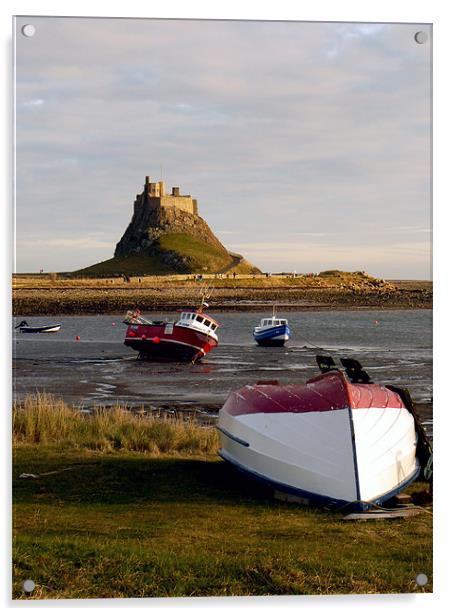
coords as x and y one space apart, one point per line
43 419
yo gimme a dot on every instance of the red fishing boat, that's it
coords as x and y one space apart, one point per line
188 339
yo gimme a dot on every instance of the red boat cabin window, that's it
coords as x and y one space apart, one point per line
200 319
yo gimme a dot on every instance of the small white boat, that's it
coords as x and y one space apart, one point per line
24 328
272 331
337 439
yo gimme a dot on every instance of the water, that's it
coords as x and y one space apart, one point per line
394 346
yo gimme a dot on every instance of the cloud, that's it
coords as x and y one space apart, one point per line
35 102
326 126
62 242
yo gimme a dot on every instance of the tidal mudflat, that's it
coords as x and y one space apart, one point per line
395 346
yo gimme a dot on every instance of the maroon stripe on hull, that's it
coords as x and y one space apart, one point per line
327 392
163 342
165 351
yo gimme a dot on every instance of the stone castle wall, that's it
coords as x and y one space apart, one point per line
185 203
149 223
154 196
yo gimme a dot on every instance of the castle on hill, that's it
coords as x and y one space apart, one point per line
154 197
167 235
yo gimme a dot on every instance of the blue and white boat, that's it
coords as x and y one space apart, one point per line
272 331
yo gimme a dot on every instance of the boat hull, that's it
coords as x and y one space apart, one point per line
272 336
168 342
50 329
339 455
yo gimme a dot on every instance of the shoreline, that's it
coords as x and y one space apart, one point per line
337 291
71 304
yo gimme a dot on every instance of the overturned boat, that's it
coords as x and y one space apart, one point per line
338 439
24 328
189 338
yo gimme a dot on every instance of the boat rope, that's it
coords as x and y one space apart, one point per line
55 472
380 508
427 472
313 345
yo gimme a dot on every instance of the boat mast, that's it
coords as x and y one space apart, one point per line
205 293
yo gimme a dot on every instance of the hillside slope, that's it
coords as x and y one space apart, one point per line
164 241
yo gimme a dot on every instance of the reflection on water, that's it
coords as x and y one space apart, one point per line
394 347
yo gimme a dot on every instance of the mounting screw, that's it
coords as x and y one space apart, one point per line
28 30
421 37
28 586
421 579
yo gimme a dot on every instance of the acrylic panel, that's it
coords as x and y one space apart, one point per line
209 214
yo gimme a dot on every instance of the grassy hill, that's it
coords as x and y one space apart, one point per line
175 253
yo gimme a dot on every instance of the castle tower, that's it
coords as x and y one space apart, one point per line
154 197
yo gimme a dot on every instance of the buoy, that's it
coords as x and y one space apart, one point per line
144 337
113 324
155 339
77 337
376 322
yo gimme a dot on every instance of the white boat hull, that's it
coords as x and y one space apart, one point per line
40 330
284 449
339 456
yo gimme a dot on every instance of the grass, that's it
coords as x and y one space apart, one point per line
200 256
140 265
125 524
327 279
197 256
103 519
45 420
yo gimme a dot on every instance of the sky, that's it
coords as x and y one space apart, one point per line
307 145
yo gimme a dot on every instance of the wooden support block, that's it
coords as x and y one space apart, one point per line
402 499
381 515
290 498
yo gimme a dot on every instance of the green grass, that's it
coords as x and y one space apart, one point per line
201 256
126 506
133 265
125 524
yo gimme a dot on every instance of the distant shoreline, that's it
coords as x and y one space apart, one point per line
47 295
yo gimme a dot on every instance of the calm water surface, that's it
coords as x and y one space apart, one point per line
394 346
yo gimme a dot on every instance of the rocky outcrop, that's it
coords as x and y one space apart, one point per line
166 235
148 225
